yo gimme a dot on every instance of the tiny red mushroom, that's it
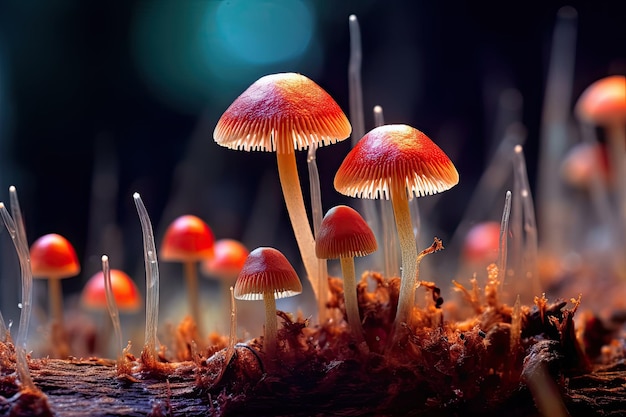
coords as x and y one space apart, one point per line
344 234
397 161
53 257
282 113
267 275
188 239
125 292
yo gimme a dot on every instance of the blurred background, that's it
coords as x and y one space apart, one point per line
99 100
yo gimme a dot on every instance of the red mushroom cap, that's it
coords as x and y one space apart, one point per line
344 233
53 256
266 271
282 112
187 239
604 101
124 289
482 242
395 153
229 257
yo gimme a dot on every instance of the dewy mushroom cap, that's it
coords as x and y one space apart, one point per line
266 271
282 112
395 153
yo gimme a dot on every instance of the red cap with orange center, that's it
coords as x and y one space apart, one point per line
395 154
229 257
125 292
53 256
187 239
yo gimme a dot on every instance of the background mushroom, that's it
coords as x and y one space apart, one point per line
395 162
188 239
53 258
344 234
267 275
282 113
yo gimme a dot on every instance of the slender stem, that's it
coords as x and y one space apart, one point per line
503 247
350 298
318 214
616 141
408 250
55 299
271 324
191 278
290 183
112 306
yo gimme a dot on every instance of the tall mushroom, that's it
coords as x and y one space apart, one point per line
267 275
282 113
396 162
344 234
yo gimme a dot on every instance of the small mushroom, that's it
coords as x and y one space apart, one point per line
53 258
267 275
188 239
282 113
397 161
344 234
125 292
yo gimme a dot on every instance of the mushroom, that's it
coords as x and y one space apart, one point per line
124 293
344 234
282 113
396 162
53 257
603 103
267 275
229 256
188 239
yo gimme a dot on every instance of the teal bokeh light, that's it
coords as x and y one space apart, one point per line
194 54
264 31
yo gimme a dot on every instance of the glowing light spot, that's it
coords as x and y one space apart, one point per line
263 32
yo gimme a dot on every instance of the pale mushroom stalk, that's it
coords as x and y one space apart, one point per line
111 304
290 183
271 323
408 250
503 247
351 300
191 279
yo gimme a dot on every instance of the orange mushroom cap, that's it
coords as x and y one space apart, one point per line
482 242
53 256
282 112
395 153
584 160
188 238
229 257
266 271
124 289
604 101
344 233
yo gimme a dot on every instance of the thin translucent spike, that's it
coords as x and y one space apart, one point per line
111 304
16 213
529 251
152 279
4 332
504 231
357 118
27 295
555 139
390 242
318 214
232 336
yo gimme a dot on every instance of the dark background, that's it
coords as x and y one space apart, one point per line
71 88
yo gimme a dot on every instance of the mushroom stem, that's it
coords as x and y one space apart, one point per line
271 323
408 250
191 277
55 299
290 183
350 299
616 141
